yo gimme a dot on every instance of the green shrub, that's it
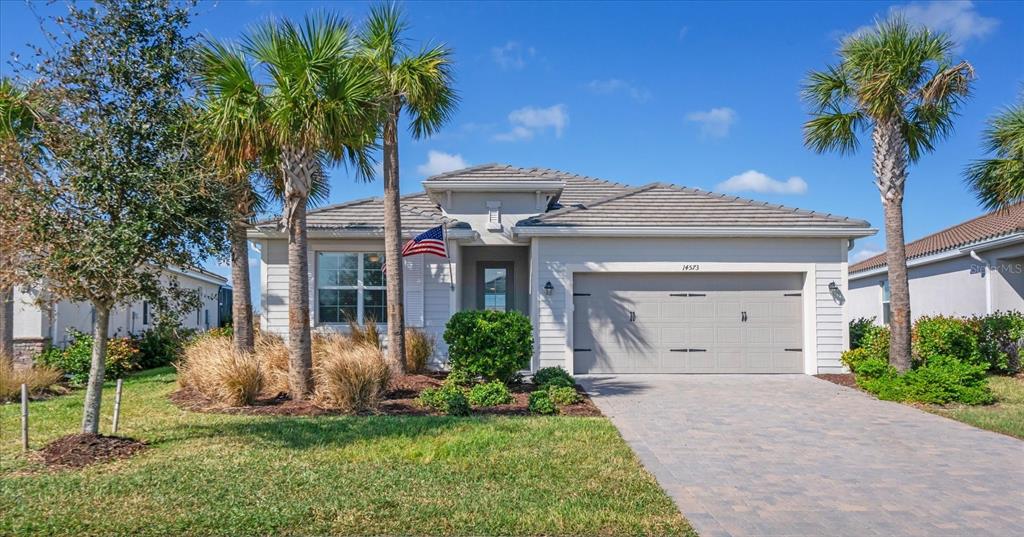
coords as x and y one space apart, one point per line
540 403
946 379
449 399
854 357
459 377
553 376
873 368
563 395
162 345
945 336
1000 340
491 344
490 394
858 327
875 341
76 359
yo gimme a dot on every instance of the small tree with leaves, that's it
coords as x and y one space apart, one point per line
127 193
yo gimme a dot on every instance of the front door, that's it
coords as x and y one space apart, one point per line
494 286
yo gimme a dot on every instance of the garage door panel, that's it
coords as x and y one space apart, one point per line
678 315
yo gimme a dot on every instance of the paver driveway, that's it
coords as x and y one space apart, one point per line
795 455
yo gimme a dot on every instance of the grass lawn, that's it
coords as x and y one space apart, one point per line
1006 416
207 474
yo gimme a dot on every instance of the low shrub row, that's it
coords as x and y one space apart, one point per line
950 372
38 379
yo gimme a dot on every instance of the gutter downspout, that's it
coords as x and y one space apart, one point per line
988 281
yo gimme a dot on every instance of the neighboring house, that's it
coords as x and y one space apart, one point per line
615 279
37 327
973 268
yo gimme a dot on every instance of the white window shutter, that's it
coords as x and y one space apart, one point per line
413 281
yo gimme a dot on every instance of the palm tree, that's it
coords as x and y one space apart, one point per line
20 150
420 85
900 83
999 182
314 107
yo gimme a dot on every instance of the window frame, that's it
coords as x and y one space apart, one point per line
481 291
885 301
360 288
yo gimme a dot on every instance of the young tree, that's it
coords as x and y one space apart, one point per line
420 85
999 181
900 83
128 192
315 109
21 154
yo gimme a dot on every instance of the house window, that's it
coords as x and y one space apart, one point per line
351 286
206 319
494 286
145 312
885 301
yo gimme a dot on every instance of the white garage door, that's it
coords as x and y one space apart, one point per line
688 323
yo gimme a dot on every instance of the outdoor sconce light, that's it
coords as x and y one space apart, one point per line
548 288
837 295
373 258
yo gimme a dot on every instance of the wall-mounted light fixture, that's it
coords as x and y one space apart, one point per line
548 288
837 294
373 258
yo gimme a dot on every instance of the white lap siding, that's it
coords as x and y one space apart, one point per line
823 260
425 278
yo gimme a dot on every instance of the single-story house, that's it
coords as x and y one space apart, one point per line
973 268
37 327
615 279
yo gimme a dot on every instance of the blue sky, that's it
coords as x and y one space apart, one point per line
698 94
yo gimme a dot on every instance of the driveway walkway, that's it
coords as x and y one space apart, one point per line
795 455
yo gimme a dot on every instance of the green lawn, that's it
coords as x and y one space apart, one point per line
1006 416
210 474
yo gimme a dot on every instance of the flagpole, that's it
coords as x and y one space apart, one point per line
451 275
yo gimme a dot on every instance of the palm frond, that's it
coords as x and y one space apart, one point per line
827 89
834 130
427 84
997 182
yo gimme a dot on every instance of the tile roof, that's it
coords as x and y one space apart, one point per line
985 227
585 201
660 204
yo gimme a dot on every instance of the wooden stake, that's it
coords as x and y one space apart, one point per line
24 417
117 405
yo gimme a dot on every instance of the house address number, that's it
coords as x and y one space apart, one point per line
690 268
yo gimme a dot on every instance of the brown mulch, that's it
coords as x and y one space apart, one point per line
842 379
78 450
400 400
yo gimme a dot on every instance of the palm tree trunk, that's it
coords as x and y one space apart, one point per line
891 172
241 298
393 247
7 322
94 388
298 170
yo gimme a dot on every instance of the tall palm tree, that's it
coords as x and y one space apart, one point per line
21 149
421 85
304 103
899 82
999 181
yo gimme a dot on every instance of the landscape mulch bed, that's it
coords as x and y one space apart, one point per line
399 401
842 379
78 450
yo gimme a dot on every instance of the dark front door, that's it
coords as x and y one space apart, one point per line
494 286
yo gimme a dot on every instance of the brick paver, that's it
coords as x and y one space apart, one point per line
794 455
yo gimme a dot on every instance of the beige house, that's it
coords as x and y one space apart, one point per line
973 268
615 278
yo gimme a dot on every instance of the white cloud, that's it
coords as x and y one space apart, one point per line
615 85
528 121
714 123
864 253
958 18
512 55
755 181
440 162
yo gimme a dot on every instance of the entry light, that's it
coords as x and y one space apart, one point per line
548 288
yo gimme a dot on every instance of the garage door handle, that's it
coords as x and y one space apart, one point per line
679 350
743 316
697 350
632 316
794 350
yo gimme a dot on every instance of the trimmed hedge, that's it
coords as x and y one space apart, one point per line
494 345
1000 340
76 359
945 336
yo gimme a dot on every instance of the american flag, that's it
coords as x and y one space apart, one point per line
430 241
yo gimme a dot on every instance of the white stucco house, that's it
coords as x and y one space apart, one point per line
972 268
615 278
38 326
